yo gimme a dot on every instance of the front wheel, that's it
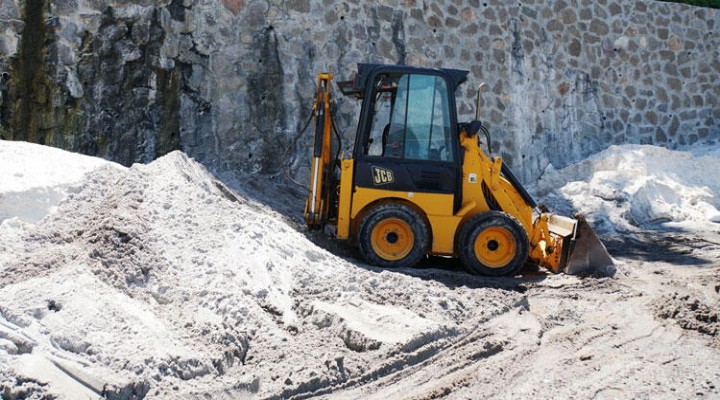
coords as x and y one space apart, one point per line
393 235
493 243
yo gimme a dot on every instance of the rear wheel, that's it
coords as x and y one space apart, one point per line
493 243
393 235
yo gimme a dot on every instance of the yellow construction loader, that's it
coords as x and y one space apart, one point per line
418 183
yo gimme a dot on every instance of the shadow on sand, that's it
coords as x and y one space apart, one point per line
673 246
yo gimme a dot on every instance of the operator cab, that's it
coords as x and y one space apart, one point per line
401 126
407 134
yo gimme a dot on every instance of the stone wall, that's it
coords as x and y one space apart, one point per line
230 82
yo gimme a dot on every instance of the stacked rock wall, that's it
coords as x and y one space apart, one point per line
230 82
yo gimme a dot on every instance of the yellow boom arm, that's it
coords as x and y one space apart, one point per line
317 205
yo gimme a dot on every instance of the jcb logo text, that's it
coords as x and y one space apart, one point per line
382 176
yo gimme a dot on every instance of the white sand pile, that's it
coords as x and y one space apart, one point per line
159 282
35 178
628 187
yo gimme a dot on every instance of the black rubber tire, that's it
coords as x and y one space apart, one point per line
477 225
382 214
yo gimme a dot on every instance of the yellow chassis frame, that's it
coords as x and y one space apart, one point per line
436 209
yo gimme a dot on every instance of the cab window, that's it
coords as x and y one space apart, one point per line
411 118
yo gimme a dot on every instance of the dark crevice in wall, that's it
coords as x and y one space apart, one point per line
169 88
265 98
31 91
4 104
29 69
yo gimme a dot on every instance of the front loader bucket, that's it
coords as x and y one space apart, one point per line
587 255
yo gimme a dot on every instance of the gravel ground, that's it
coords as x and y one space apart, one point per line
159 281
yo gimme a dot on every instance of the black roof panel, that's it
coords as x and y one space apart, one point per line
365 71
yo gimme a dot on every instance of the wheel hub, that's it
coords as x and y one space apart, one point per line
495 247
392 239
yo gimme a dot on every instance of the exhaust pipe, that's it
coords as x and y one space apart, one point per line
481 88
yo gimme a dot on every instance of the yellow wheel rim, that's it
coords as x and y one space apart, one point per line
392 239
495 247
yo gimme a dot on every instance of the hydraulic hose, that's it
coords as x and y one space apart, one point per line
487 136
292 145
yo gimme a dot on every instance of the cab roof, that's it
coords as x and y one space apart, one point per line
365 72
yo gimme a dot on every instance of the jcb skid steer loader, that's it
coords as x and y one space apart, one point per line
418 183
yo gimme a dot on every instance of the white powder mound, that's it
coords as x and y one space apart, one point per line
157 281
631 186
33 185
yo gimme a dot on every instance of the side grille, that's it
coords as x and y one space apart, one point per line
429 181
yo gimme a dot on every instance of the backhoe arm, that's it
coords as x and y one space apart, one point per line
318 203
